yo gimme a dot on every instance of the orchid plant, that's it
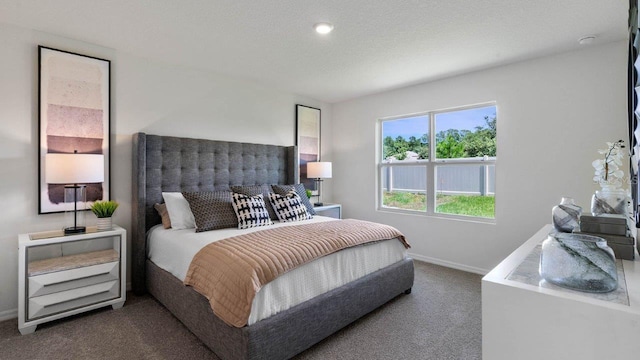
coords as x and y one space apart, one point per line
608 173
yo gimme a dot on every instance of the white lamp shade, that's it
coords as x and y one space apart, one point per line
74 168
319 170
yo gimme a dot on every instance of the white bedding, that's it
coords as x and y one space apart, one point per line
173 250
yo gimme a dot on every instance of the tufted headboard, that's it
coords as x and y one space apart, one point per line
165 163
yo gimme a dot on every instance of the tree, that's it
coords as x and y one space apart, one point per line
481 142
401 148
388 147
451 143
423 151
449 148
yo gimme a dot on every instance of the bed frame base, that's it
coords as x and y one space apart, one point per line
285 334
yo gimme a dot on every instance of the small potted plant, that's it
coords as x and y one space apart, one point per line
104 210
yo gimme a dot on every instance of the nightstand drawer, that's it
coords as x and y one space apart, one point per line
71 279
71 299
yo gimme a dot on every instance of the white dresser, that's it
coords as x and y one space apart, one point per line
60 275
522 319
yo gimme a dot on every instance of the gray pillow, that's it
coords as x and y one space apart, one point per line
300 190
253 190
212 210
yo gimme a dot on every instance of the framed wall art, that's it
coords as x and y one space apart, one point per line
74 117
307 140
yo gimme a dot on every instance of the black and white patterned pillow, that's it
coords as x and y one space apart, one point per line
251 211
300 190
252 190
212 210
289 207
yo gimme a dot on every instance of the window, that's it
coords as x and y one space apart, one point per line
440 162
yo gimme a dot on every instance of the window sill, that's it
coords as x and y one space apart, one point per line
470 219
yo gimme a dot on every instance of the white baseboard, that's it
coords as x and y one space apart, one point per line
8 314
449 264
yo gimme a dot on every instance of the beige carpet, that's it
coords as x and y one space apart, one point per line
440 319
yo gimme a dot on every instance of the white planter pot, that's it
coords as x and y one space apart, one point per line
105 224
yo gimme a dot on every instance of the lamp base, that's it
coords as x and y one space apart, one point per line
75 230
318 204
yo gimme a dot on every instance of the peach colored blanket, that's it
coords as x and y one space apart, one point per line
230 272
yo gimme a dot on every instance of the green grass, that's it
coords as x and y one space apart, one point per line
405 200
480 206
469 205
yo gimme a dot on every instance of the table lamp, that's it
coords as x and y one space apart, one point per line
319 171
74 171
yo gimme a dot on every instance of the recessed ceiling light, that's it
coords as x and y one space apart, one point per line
323 28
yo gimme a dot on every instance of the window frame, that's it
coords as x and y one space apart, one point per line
430 166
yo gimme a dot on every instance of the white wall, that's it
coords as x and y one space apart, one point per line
554 113
147 95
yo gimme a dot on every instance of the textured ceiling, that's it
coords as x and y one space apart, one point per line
376 45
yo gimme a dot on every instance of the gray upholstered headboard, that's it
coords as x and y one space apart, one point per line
165 163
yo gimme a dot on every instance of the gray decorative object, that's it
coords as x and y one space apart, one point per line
578 262
609 202
565 216
612 224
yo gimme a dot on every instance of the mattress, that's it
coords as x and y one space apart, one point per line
173 250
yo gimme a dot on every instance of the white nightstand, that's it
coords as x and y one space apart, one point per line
59 275
330 210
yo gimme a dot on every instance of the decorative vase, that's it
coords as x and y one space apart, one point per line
566 215
609 201
578 262
105 224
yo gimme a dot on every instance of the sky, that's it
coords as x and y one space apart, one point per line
419 125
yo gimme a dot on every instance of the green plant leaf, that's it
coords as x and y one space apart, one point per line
104 209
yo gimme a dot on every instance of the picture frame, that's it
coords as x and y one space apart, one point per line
308 136
74 115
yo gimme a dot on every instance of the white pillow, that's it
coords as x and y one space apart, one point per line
179 211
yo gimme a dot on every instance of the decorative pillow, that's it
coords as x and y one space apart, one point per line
289 207
164 215
250 210
212 210
179 211
300 190
253 190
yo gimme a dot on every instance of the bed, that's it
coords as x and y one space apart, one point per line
163 163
